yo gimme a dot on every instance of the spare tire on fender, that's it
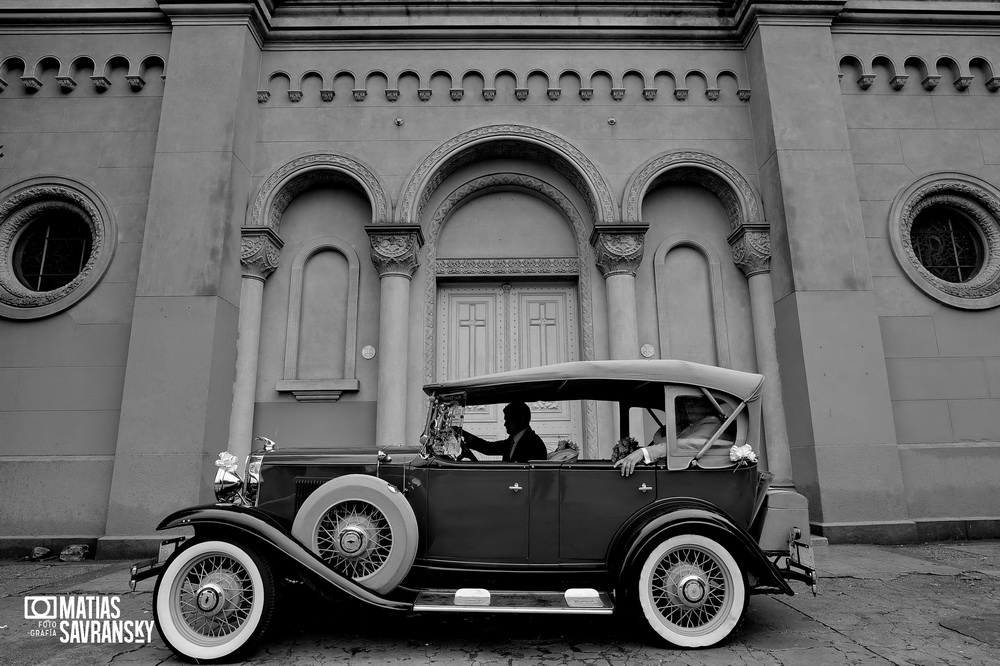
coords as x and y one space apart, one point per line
362 527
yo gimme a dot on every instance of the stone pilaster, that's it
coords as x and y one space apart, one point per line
178 396
394 254
751 245
619 250
841 430
259 250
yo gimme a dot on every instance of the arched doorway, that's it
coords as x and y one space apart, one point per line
511 317
508 291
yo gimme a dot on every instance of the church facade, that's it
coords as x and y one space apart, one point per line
237 218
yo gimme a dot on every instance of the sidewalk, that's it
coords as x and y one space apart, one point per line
915 604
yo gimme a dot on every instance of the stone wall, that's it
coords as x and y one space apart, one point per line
943 362
61 377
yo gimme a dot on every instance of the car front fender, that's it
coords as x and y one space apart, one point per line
695 516
262 528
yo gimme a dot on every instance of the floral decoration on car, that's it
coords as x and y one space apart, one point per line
566 451
227 461
446 429
567 444
624 447
742 455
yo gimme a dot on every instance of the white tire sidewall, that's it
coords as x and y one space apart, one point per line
398 512
738 591
169 581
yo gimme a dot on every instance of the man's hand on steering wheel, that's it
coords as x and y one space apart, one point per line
466 452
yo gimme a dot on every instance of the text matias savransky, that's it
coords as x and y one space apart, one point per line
85 618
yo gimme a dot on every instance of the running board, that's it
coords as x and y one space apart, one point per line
475 600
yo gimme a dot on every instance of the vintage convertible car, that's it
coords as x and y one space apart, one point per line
682 541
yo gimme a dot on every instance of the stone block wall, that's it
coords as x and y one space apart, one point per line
62 376
943 362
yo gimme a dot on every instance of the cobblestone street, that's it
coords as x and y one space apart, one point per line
919 605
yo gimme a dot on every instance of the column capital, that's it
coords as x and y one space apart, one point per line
259 250
751 246
394 248
619 247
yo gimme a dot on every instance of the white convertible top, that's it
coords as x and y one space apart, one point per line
597 380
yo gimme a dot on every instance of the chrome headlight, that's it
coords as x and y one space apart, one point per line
228 484
253 479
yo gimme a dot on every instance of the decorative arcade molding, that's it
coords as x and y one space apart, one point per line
929 71
360 80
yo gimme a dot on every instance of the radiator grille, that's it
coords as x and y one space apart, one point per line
304 487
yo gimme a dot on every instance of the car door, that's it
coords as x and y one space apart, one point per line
594 501
477 512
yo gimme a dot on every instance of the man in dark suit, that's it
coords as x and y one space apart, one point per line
521 445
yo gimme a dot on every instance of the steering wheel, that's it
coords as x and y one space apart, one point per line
466 452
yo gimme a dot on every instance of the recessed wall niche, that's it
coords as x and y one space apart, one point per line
320 274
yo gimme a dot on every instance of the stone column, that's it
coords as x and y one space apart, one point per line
394 254
619 252
258 257
752 254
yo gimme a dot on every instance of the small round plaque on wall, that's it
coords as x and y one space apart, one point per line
368 352
646 350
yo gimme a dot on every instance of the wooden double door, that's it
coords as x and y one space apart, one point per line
485 328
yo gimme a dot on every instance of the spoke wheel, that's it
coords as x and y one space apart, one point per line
362 527
354 538
213 601
692 592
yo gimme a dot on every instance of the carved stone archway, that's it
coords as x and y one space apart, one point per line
307 171
576 267
717 176
509 140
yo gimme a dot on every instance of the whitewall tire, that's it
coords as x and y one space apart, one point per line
692 592
362 527
213 601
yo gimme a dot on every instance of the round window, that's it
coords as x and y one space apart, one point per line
944 229
57 239
948 244
51 251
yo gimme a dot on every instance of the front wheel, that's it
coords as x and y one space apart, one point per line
213 601
692 592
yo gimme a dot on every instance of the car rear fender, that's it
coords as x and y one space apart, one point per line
666 518
259 527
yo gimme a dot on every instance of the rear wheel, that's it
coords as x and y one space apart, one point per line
692 592
214 601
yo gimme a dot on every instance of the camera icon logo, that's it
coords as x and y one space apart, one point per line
40 608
